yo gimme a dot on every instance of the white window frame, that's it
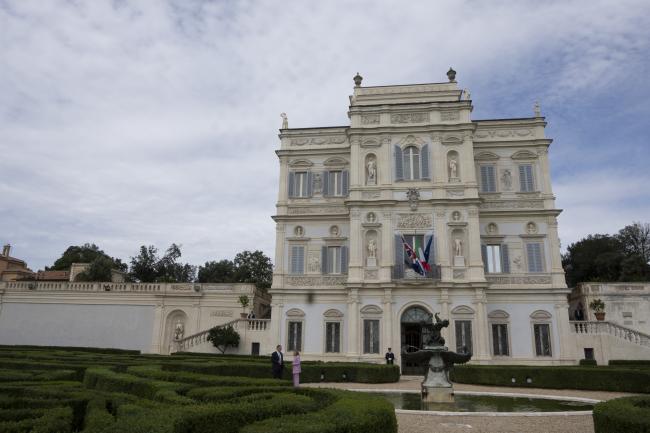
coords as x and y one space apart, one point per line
541 317
335 188
326 339
300 187
291 254
483 186
500 317
524 181
363 333
298 316
411 162
334 259
494 260
540 242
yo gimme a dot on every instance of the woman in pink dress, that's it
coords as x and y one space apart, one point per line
296 368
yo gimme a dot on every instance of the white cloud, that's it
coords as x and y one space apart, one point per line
127 123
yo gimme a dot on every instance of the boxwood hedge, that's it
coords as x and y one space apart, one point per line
623 415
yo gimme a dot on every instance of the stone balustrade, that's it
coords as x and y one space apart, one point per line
185 344
89 287
610 328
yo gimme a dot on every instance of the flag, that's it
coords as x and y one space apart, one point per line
424 257
412 259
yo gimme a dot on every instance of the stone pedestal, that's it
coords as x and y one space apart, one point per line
436 386
459 261
371 262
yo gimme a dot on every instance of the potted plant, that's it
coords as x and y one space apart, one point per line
244 301
598 307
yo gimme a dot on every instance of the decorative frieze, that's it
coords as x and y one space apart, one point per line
371 274
314 210
409 117
513 204
302 280
221 313
414 221
459 274
318 141
449 115
370 119
503 133
370 194
532 279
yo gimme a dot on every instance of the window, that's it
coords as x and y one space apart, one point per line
526 183
334 260
534 257
542 339
500 339
371 336
463 336
335 183
294 342
412 163
297 260
488 179
299 184
495 258
332 337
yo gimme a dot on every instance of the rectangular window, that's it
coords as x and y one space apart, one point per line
488 179
299 184
526 183
370 336
294 342
416 242
333 337
534 256
500 339
463 336
494 259
335 186
297 259
333 260
542 339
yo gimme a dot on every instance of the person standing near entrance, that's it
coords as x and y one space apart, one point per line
296 368
390 357
277 362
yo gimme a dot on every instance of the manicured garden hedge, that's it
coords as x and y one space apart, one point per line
69 390
623 415
630 362
588 362
559 377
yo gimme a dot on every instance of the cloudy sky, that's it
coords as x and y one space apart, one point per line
150 122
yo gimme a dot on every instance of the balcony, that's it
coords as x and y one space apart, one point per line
408 275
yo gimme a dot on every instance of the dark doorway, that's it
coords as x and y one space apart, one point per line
412 337
255 349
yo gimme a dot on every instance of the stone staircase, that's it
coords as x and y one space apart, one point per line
609 328
243 326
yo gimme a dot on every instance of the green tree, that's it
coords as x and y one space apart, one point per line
222 271
100 262
254 267
635 239
98 270
147 267
223 337
594 258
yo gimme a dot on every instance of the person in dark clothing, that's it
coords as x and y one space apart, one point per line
277 362
390 357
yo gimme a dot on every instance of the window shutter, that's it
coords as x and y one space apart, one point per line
416 164
331 189
484 179
505 259
337 337
344 259
534 255
484 257
299 336
345 179
301 260
425 162
398 267
326 183
526 178
291 184
323 260
310 183
399 168
492 185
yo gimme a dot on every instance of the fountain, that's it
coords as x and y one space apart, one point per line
436 386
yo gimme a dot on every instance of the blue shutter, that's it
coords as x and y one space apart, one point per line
344 259
399 168
398 267
310 183
424 159
326 183
484 257
345 179
505 259
323 260
291 184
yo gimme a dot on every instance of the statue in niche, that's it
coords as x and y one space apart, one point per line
371 217
334 230
299 231
506 179
455 216
458 247
179 330
285 121
318 183
372 248
453 168
371 168
531 228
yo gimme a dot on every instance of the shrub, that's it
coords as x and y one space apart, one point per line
223 337
623 415
630 362
588 362
560 377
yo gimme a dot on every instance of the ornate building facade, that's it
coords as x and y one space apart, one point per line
412 166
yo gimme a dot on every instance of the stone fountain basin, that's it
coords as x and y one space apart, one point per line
474 403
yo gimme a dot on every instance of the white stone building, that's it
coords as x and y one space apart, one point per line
414 163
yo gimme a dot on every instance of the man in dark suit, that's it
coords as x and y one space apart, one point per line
277 362
390 357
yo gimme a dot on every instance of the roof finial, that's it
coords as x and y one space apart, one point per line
285 121
357 80
451 74
537 110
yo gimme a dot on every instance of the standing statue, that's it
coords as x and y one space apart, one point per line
453 168
506 178
318 183
458 247
285 121
372 172
179 330
436 338
372 248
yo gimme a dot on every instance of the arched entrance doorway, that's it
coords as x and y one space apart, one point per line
412 335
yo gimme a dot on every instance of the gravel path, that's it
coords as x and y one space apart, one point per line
415 423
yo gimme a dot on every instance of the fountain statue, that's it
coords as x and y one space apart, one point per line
436 386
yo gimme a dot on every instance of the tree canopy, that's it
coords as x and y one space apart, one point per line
100 266
248 267
148 267
223 337
609 258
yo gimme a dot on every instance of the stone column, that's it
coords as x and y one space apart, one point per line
385 161
387 340
353 323
275 336
439 159
279 270
158 329
473 250
283 192
567 351
355 268
545 183
467 172
387 255
442 240
357 175
483 336
557 272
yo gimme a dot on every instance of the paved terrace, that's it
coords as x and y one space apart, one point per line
415 423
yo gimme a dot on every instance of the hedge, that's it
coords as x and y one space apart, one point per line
559 377
623 415
630 362
588 362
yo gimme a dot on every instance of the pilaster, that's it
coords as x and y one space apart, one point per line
353 323
474 248
355 268
482 349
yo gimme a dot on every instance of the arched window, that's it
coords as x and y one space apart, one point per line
411 157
